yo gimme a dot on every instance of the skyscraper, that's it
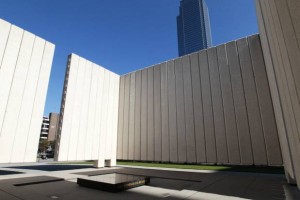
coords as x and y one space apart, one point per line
193 27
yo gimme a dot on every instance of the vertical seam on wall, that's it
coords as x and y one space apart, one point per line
193 110
119 116
175 99
146 114
160 103
88 111
34 98
95 114
291 68
286 114
81 108
23 90
292 20
153 108
121 108
140 124
107 117
203 121
72 106
184 112
284 38
153 116
5 49
276 82
273 109
233 99
101 134
272 57
212 106
11 83
128 99
113 118
167 106
8 97
110 129
245 99
258 99
128 84
220 86
133 107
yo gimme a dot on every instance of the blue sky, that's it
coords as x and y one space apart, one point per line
119 35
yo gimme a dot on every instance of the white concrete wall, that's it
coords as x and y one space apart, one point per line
89 113
212 106
25 64
279 25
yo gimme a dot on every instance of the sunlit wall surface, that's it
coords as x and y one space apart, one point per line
25 64
213 106
89 113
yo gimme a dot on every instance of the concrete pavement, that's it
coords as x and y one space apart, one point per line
41 181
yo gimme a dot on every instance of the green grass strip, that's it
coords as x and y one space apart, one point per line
251 169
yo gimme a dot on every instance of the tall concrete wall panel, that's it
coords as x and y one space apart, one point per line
164 114
280 38
217 105
207 107
189 111
157 114
234 156
150 115
89 113
137 115
254 118
198 109
25 64
173 138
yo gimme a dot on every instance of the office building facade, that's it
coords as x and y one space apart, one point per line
45 128
193 27
49 127
53 126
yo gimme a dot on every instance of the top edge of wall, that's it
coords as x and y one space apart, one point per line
11 24
74 54
165 62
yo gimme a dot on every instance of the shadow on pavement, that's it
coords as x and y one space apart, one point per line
3 172
51 168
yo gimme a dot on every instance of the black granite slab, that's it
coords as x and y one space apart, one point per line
4 172
56 167
113 182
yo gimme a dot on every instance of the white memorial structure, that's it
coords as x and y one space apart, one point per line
25 65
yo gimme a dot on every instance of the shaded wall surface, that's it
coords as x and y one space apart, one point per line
213 106
25 64
279 24
89 113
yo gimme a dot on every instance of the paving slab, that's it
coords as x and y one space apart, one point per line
168 184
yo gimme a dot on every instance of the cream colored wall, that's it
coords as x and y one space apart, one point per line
26 62
89 113
213 106
279 24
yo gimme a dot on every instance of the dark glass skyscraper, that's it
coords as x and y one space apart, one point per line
193 27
